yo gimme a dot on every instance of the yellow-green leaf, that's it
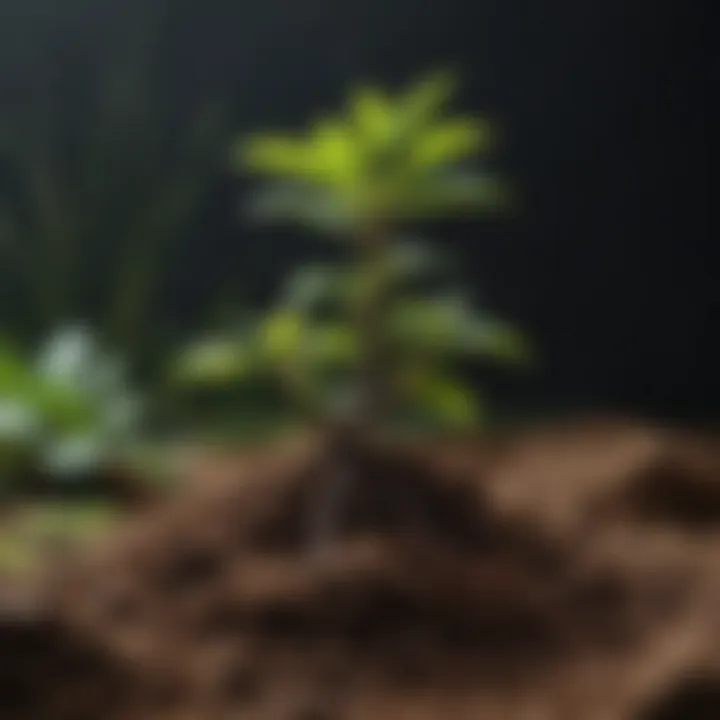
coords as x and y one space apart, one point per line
282 334
449 141
213 362
372 113
333 344
424 100
274 154
446 400
333 156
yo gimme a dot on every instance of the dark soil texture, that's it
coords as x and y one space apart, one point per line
566 574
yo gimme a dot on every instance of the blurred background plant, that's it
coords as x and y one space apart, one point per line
105 172
66 414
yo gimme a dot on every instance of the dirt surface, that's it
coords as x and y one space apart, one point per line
568 574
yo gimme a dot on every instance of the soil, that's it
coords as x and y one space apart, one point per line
568 574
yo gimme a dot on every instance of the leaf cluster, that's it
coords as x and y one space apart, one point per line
66 410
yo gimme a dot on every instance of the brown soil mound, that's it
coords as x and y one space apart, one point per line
569 575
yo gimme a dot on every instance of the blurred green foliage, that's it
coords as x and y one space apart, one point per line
66 411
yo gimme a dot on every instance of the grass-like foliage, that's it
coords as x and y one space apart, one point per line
102 174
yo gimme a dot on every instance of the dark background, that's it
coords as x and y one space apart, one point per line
605 107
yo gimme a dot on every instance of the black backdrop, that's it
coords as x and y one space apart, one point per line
605 107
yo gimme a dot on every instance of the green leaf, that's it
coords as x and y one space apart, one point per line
274 154
450 194
449 141
423 102
281 335
327 156
214 361
372 113
314 285
425 326
70 408
315 208
381 161
334 157
449 327
290 338
64 408
413 260
331 345
444 400
14 371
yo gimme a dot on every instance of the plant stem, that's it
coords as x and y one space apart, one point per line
372 383
340 478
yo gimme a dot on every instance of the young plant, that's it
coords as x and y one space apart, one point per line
362 176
